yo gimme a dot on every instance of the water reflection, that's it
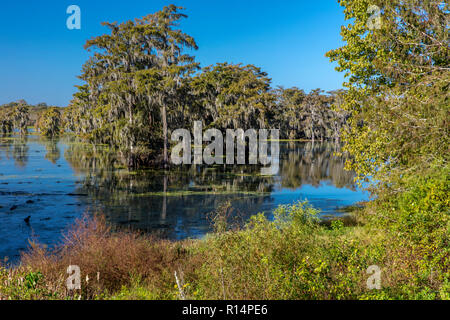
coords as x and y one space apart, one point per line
311 164
55 181
53 152
15 148
175 202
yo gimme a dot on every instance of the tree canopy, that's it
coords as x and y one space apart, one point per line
141 83
398 86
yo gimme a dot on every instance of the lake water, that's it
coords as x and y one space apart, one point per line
56 181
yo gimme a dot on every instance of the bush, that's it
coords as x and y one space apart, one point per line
107 260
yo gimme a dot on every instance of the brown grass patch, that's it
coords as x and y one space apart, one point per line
109 259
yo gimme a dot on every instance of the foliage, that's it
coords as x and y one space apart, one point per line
20 118
140 84
292 256
24 284
398 89
397 104
49 122
311 116
233 96
6 123
134 82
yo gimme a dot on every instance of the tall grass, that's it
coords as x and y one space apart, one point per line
107 260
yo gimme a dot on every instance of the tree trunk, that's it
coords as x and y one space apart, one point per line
131 157
164 120
164 205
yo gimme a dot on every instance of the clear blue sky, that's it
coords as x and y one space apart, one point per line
40 58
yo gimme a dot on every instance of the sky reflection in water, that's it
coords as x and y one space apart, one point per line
56 181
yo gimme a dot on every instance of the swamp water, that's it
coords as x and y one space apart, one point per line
56 181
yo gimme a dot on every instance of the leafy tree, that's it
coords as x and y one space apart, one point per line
140 84
20 118
49 122
134 81
289 112
311 116
339 115
77 117
317 111
398 88
6 123
234 95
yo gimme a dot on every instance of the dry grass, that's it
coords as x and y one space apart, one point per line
110 260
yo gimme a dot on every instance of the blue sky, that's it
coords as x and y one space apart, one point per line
40 58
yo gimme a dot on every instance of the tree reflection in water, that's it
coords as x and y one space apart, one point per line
16 148
175 202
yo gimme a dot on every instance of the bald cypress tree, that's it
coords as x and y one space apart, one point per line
234 95
20 117
134 80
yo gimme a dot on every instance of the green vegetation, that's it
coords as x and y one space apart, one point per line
398 89
6 124
127 93
15 116
133 101
291 257
49 122
22 116
396 106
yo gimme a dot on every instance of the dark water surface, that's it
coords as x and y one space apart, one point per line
56 181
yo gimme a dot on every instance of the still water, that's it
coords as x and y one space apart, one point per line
56 181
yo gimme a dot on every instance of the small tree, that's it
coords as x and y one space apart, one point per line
20 117
49 122
6 124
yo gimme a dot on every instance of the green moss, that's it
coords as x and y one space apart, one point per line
200 192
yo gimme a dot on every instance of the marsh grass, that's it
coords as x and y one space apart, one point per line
108 260
199 193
